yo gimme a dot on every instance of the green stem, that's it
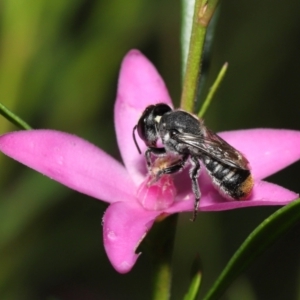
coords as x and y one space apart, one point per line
203 12
213 90
162 242
9 115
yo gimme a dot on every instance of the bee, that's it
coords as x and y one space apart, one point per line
185 137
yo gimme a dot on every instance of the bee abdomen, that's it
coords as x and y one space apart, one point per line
231 182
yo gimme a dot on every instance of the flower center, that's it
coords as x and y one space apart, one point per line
157 194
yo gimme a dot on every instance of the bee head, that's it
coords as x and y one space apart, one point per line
148 122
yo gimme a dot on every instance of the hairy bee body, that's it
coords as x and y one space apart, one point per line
233 183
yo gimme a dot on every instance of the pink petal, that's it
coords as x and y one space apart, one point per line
139 86
124 227
71 161
268 150
264 194
156 195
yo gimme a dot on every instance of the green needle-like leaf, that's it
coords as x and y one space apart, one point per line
256 243
9 115
213 90
194 288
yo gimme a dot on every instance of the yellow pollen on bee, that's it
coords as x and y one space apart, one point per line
247 186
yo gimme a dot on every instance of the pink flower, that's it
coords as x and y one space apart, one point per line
134 205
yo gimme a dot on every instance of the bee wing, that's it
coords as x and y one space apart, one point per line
215 147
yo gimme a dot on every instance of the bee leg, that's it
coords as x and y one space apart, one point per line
194 174
174 167
155 152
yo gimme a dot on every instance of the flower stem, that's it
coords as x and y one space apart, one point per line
203 12
162 237
9 115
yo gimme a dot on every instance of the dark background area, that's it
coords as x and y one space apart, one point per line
59 62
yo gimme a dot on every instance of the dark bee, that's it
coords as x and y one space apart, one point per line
186 137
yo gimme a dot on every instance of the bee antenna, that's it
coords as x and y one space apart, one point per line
136 144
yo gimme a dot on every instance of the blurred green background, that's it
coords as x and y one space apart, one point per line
59 64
